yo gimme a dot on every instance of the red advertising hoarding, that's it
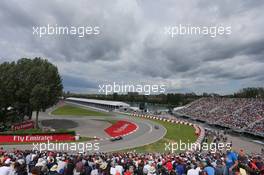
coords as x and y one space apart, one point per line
23 126
121 128
36 138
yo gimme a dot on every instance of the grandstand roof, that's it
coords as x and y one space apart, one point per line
103 102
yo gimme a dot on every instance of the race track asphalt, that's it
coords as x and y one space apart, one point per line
94 126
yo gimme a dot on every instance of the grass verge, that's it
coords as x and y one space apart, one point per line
76 111
175 134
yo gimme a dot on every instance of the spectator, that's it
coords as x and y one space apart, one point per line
231 163
209 169
194 170
6 169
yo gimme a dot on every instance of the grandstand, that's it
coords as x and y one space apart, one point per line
239 114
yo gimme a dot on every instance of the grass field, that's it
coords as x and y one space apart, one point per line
175 133
76 111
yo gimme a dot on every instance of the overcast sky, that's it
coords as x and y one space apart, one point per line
132 47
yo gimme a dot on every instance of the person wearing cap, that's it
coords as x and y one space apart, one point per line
6 169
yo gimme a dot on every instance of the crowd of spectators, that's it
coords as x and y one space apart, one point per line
189 163
235 113
201 162
257 127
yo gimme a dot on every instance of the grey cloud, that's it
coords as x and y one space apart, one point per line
77 82
131 46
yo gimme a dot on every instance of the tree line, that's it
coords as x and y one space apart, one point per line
250 92
28 85
170 99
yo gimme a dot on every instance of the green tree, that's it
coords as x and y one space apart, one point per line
47 86
25 82
39 99
29 85
7 87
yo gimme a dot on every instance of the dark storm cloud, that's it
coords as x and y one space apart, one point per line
131 46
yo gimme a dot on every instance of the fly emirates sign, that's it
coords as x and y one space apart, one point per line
31 138
36 138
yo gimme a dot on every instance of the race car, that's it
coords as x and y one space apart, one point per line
156 127
116 138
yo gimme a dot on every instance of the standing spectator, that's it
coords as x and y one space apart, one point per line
69 168
6 169
193 171
95 170
219 169
209 169
119 169
180 169
79 167
231 163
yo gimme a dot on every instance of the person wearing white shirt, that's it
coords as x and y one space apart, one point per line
146 168
119 169
6 169
112 169
193 171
